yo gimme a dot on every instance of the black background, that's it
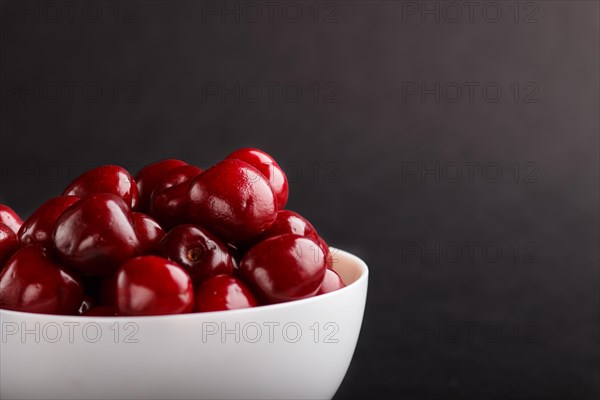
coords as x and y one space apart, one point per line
134 84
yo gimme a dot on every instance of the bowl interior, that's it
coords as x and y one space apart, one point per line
349 267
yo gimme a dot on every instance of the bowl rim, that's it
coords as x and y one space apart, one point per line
362 267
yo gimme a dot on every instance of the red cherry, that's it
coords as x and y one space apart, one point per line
328 255
287 222
284 268
151 285
38 228
9 244
291 222
33 282
269 168
169 205
331 282
10 218
177 176
148 231
105 179
198 251
223 292
101 311
170 198
150 176
96 234
232 199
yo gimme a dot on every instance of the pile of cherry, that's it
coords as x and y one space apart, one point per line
176 239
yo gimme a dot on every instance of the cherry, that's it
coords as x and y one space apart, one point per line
229 238
233 200
287 222
328 256
269 168
10 218
96 234
148 231
101 311
170 198
9 244
291 222
223 292
105 179
198 251
151 285
38 228
331 282
177 176
284 268
150 177
169 205
33 282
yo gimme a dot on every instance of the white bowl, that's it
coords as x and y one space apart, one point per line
298 350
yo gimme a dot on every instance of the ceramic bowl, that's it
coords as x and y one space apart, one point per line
295 350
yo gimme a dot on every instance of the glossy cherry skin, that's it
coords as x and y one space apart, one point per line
169 206
177 176
148 231
233 200
284 268
33 282
101 311
105 179
9 244
151 285
198 251
328 256
269 168
150 176
287 222
10 218
170 199
38 228
331 282
96 234
291 222
223 292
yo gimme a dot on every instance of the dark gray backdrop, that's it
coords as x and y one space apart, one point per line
453 147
